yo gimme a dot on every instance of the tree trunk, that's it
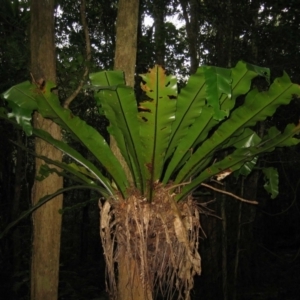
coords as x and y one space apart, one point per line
125 54
224 246
159 34
130 286
224 35
16 237
126 38
46 220
238 244
191 12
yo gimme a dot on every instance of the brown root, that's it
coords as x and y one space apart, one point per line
161 237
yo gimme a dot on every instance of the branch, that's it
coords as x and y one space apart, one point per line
229 194
88 54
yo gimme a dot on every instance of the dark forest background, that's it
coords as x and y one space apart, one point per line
262 242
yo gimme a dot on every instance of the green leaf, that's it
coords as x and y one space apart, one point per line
101 82
156 117
45 171
87 174
194 120
72 153
246 139
81 174
272 181
120 108
26 97
185 148
190 103
218 82
257 107
242 75
67 171
21 101
82 170
235 160
247 167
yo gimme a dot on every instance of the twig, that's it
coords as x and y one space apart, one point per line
229 194
88 55
216 181
177 185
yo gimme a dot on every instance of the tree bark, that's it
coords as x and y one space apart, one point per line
16 205
46 220
130 286
125 55
126 38
191 14
224 246
159 8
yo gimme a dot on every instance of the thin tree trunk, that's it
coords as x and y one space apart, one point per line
224 246
229 38
159 34
16 205
238 242
46 220
250 189
255 6
190 13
